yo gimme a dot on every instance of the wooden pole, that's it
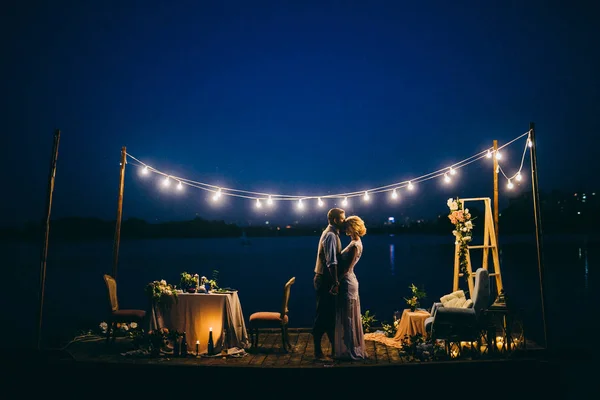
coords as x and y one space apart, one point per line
538 221
119 213
496 189
44 256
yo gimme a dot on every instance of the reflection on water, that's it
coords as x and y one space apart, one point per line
76 295
392 260
585 267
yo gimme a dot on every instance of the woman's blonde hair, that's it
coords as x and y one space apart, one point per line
356 224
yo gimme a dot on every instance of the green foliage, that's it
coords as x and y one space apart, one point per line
417 294
368 320
388 329
188 281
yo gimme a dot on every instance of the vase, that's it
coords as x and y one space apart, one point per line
413 308
191 290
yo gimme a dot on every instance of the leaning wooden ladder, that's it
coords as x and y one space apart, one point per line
490 242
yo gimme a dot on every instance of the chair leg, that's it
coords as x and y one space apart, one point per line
255 340
283 342
287 338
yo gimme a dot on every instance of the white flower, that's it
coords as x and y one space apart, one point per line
452 205
124 327
455 232
467 238
103 326
464 229
133 325
469 225
163 282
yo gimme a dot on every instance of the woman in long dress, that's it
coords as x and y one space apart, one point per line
349 337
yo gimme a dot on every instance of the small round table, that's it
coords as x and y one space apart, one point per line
411 323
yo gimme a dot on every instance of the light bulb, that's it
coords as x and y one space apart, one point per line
509 184
320 202
166 182
410 186
498 155
489 154
270 200
300 205
394 194
180 186
345 202
145 170
452 171
518 177
446 178
258 205
366 196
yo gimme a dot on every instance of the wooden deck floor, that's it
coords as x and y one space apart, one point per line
268 372
268 354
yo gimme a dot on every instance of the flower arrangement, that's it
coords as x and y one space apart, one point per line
189 282
367 320
389 330
212 282
417 294
462 220
161 292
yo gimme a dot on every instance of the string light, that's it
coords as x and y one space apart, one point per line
445 173
509 184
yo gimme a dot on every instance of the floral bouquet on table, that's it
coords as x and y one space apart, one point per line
189 283
462 220
211 282
417 294
161 293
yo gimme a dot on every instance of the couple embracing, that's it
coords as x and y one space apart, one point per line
338 313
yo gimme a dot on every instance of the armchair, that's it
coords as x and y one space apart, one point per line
455 324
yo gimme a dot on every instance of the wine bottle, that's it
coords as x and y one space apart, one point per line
211 344
183 351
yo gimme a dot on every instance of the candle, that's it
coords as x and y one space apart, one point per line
197 347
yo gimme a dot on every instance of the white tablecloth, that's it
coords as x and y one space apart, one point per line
196 313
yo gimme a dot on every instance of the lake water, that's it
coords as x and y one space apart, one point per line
76 296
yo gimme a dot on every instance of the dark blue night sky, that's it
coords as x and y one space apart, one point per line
295 97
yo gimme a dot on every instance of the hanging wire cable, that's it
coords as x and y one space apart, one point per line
253 195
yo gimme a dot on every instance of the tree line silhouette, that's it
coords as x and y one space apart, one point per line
560 213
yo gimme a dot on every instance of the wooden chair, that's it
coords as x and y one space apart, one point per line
117 315
272 319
